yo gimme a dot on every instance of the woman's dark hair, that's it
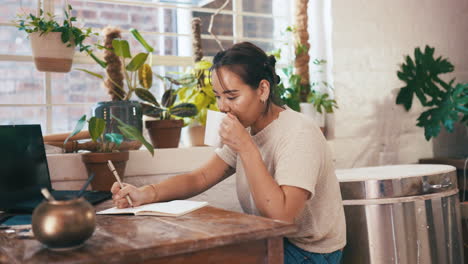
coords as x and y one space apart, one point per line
252 65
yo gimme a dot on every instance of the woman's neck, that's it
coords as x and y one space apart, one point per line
265 119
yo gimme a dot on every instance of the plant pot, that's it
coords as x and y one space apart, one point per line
309 110
451 145
97 163
164 133
128 111
50 53
196 135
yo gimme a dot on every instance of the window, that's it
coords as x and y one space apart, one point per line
57 100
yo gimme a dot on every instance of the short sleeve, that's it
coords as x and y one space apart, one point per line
228 155
299 161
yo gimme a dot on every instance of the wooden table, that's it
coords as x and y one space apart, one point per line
207 235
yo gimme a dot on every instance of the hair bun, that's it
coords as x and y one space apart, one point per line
278 79
271 61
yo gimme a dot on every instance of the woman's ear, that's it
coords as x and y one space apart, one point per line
264 90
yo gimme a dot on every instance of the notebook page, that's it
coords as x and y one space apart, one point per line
175 207
115 210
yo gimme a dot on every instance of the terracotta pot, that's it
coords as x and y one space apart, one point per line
164 133
97 163
196 135
50 53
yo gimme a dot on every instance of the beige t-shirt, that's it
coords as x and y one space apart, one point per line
296 154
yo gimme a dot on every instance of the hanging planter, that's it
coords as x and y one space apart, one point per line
53 44
50 53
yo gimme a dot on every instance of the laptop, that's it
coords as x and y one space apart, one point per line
24 171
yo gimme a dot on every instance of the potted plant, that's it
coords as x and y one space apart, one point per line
124 74
196 88
164 130
291 90
107 147
445 103
53 44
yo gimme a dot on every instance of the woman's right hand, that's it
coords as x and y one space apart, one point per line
138 196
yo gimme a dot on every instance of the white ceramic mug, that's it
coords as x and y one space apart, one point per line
213 123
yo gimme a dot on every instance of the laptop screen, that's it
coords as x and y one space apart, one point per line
23 164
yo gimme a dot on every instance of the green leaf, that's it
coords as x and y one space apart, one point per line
301 48
184 110
115 138
103 64
405 97
92 73
137 62
276 53
140 39
203 65
133 133
168 98
78 127
121 48
65 36
145 76
146 96
96 127
151 110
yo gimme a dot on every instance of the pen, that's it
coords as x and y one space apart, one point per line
112 168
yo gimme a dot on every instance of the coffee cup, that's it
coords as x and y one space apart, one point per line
213 124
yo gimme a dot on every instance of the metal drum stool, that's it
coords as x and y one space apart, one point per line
405 214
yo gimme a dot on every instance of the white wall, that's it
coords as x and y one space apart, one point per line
370 39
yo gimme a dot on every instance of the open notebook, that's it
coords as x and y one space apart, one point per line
172 208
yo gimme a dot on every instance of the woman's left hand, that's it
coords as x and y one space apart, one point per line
234 134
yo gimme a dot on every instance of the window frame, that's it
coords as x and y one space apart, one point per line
158 60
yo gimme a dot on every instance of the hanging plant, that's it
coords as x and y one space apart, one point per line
53 43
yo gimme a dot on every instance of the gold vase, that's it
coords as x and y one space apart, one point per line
63 225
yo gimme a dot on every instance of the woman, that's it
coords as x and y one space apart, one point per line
283 166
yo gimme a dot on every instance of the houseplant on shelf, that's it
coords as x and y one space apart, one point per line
53 44
107 146
445 103
164 130
124 73
291 90
196 88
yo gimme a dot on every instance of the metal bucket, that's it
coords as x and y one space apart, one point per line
402 214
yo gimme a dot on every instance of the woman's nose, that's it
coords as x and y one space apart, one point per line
223 105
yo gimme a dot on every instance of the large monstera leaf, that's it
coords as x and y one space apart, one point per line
421 77
446 102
